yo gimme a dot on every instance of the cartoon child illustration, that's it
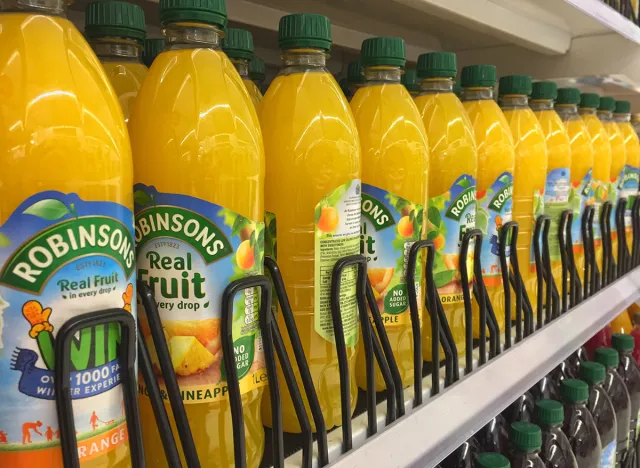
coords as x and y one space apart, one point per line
58 433
49 434
93 420
127 297
27 428
3 437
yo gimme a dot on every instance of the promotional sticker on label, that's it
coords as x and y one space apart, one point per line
494 210
556 200
581 195
337 235
449 216
188 251
61 256
389 227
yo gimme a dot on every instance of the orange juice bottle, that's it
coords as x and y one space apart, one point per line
313 157
66 238
151 49
116 31
451 204
238 45
581 193
395 158
355 78
496 161
618 162
558 184
631 177
199 225
257 71
589 102
530 174
410 81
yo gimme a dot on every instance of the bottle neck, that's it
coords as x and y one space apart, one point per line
477 94
586 111
303 60
44 7
514 101
242 65
192 36
567 111
605 116
622 118
436 85
382 75
541 104
117 49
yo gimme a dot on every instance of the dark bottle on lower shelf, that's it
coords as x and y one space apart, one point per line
556 451
579 426
521 409
494 436
463 456
525 440
492 460
630 373
574 361
602 410
617 391
547 388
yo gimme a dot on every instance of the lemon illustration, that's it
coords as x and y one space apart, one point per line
188 356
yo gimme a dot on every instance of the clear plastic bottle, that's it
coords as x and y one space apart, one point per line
602 410
630 373
494 436
410 81
526 441
547 388
491 460
556 451
520 410
617 391
238 45
355 78
579 426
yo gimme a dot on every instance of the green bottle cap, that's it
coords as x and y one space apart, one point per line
544 90
118 19
479 76
238 43
492 460
199 11
549 412
568 96
354 72
303 30
457 89
256 69
592 372
607 103
152 47
607 357
383 51
437 65
525 437
620 341
410 79
574 390
589 100
515 84
623 107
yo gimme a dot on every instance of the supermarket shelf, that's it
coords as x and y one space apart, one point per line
608 17
429 433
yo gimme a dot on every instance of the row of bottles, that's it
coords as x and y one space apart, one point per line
583 415
184 176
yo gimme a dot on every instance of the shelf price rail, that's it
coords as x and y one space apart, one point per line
550 303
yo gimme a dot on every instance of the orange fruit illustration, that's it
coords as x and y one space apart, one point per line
405 227
380 278
329 218
438 242
245 255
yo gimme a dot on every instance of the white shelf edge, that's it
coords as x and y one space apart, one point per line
427 434
607 16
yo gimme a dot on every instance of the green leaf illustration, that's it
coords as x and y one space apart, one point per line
318 213
401 203
49 209
443 278
238 225
482 221
433 215
464 183
4 240
504 178
206 304
141 198
432 235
